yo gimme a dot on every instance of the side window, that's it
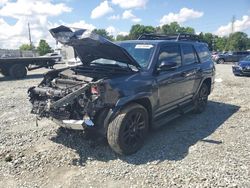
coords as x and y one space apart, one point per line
170 53
203 53
189 55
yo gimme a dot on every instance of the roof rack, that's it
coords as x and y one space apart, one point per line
177 37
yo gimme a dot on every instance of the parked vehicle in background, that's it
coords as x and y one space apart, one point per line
17 67
124 89
214 54
230 57
55 55
242 68
73 62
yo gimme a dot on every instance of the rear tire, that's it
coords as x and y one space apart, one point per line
127 132
200 101
220 61
18 71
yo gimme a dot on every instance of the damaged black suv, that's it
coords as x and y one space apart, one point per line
125 89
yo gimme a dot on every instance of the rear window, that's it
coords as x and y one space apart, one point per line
203 53
189 55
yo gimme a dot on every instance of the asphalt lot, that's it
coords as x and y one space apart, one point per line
197 150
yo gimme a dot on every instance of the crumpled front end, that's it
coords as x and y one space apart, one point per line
70 101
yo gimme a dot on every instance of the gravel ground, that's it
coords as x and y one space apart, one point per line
197 150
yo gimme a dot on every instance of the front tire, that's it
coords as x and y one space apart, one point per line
127 132
200 101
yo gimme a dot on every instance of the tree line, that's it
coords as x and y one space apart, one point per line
42 48
237 41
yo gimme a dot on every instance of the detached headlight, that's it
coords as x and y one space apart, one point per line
237 67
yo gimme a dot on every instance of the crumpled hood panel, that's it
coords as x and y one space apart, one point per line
90 46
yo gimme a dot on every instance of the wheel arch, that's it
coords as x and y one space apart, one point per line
144 101
208 82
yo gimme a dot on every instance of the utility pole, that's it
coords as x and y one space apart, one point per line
233 20
30 36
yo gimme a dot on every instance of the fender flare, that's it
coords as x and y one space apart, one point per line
202 81
121 103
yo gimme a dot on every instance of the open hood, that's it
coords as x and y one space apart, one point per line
90 46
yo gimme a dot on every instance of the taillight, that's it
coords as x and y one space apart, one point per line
94 90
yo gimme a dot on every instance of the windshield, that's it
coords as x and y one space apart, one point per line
142 53
247 58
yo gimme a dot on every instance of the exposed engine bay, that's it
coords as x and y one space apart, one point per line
65 96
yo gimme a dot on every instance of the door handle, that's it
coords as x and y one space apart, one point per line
184 74
189 73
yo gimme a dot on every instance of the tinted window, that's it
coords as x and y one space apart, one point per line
203 53
170 53
189 55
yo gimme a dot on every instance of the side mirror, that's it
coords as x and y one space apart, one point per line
166 65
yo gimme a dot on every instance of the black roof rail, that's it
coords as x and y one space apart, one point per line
177 37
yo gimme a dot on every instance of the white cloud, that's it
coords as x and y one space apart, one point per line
184 15
127 14
81 24
35 12
127 4
136 20
239 25
123 33
101 10
112 30
3 2
33 8
114 17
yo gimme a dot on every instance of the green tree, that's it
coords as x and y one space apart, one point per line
174 28
122 37
209 39
25 47
137 30
237 41
220 43
248 43
103 33
43 47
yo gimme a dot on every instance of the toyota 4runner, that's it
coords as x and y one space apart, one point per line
125 89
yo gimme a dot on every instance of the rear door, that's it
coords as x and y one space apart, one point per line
189 70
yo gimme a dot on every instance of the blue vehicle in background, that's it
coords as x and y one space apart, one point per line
222 58
242 68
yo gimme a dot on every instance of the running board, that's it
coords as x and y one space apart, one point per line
173 114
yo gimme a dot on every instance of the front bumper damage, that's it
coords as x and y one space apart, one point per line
74 124
72 107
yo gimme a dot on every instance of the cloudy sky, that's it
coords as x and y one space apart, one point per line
116 16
